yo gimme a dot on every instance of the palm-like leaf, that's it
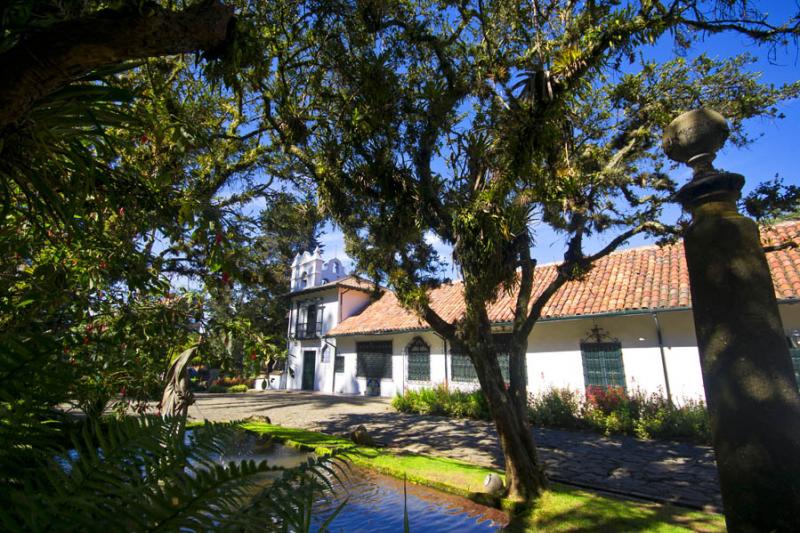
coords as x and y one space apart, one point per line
61 152
139 474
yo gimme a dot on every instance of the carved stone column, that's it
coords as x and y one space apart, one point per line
752 395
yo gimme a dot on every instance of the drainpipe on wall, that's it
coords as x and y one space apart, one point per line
333 378
446 384
404 359
663 357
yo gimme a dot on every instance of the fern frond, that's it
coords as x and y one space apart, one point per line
141 474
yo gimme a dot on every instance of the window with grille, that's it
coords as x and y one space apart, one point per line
793 339
602 364
374 359
462 369
309 321
338 363
419 360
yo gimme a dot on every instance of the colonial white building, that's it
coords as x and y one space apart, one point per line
629 324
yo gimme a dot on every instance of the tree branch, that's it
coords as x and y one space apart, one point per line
439 325
527 268
50 59
621 239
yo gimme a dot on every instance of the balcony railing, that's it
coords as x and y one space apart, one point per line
311 330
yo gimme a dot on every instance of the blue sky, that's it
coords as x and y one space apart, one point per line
774 152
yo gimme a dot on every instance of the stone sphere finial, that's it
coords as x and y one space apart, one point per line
695 137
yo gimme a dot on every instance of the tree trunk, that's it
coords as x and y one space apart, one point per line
50 59
525 476
518 383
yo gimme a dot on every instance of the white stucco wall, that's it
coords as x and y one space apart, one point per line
328 301
349 383
554 355
553 359
353 302
790 315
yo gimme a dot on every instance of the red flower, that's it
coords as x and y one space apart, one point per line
218 238
103 265
121 211
144 139
226 278
606 399
253 356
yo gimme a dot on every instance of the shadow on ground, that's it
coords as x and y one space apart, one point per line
666 471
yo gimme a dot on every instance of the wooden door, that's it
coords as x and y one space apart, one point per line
309 357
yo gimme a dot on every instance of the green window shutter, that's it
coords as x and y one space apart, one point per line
795 352
502 342
374 359
461 368
419 360
602 364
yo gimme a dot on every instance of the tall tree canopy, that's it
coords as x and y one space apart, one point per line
124 173
473 120
468 120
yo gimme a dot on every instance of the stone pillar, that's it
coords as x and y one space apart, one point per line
752 395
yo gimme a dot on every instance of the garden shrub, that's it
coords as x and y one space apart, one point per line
441 401
610 411
230 381
560 408
216 388
238 388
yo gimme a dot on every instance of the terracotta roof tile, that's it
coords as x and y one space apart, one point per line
350 282
649 277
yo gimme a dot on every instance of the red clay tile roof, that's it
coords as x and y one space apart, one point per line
350 282
643 278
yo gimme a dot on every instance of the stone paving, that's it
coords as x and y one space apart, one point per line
664 471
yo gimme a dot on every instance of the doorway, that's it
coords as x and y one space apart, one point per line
309 357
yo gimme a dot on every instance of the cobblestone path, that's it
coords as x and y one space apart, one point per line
664 471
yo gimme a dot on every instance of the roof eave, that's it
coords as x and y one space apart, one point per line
624 312
332 285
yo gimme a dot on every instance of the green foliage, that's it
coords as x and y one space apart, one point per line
442 401
558 408
461 122
614 412
610 412
773 201
217 389
238 388
473 123
561 508
141 474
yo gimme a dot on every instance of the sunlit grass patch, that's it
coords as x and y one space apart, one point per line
560 508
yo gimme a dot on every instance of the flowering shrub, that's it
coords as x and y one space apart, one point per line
606 399
613 411
230 381
610 411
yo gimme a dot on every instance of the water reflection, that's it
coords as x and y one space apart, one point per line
247 446
375 504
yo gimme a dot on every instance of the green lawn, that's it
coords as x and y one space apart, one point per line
561 508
